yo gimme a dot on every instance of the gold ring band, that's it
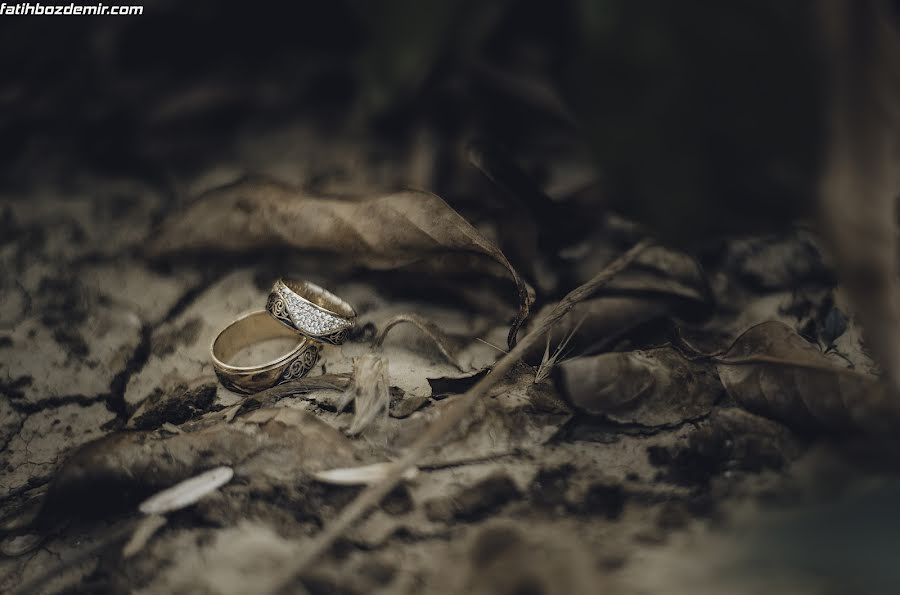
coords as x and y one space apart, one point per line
310 310
250 329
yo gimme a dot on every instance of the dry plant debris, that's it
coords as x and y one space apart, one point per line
623 415
647 419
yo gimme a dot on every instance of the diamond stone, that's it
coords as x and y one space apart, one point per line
310 318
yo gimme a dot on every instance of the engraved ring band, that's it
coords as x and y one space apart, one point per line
310 310
251 329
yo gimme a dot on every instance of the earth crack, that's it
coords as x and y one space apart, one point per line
115 399
29 408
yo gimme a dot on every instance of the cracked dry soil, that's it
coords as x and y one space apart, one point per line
108 395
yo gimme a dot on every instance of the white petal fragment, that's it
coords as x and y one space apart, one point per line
187 492
364 475
146 529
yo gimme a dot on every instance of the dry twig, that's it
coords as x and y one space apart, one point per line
447 346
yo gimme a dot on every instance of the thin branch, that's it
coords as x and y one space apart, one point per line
489 344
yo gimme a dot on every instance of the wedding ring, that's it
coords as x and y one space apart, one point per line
308 309
251 329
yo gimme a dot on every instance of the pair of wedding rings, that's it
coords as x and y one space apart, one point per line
297 310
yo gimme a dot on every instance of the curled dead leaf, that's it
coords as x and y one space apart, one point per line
774 372
447 345
657 387
379 232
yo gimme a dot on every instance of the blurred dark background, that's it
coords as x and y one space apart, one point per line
696 117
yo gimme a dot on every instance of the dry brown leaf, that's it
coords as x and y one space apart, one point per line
447 345
660 281
603 321
651 388
380 232
774 372
659 273
115 473
607 319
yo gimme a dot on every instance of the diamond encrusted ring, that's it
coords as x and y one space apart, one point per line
311 310
252 329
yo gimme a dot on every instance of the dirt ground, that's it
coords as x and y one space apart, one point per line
109 395
702 414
